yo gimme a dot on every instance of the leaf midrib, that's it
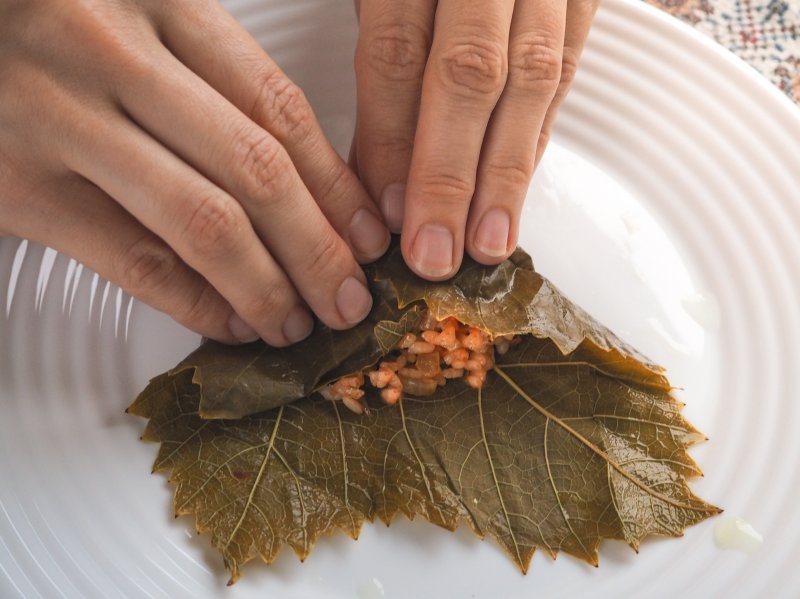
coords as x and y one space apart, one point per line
635 480
257 480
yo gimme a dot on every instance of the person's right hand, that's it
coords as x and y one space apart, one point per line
159 145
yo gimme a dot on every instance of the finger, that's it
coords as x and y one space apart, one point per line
252 166
465 75
580 14
78 219
393 44
509 148
205 226
215 47
352 157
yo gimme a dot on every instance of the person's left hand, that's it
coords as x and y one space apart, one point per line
456 100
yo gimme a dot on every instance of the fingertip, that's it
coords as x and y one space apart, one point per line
432 252
392 203
481 258
353 301
240 330
298 324
369 237
491 234
207 313
223 331
490 242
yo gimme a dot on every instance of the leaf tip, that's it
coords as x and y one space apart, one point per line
233 568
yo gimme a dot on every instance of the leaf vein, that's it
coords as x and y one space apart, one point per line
555 490
257 480
416 456
634 479
494 477
346 484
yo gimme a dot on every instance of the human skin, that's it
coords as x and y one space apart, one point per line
456 101
156 142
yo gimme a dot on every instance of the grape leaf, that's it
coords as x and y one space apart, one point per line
512 297
246 379
574 437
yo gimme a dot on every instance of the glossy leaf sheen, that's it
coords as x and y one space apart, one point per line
573 438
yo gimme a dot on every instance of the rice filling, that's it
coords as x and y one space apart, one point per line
423 361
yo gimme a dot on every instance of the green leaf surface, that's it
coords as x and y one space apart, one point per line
511 298
239 380
573 438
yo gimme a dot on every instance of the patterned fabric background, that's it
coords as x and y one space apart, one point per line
764 33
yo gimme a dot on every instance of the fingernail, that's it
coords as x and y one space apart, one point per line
353 300
241 330
432 252
298 324
393 200
369 236
491 238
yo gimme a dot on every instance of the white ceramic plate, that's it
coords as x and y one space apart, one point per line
668 206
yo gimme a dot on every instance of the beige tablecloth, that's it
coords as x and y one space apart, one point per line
764 33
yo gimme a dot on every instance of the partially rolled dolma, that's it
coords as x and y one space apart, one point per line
568 436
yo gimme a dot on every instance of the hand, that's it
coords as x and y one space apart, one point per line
456 100
158 144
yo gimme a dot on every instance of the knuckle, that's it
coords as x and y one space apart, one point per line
447 189
474 67
283 107
391 145
325 255
270 305
199 308
396 52
512 172
262 162
215 228
146 266
336 190
534 63
569 67
113 32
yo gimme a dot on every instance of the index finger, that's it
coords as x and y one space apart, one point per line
465 77
212 44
